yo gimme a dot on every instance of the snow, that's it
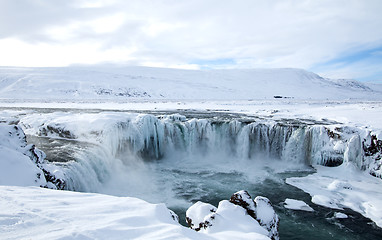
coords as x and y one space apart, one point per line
199 212
17 169
31 212
340 215
103 82
224 220
241 213
344 187
49 214
89 102
226 212
297 205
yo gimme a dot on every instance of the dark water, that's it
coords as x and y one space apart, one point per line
317 225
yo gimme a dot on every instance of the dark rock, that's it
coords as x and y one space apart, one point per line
244 200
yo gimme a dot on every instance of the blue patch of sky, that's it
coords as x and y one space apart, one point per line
214 63
371 57
371 54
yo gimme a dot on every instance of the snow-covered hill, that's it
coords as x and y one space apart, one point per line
119 83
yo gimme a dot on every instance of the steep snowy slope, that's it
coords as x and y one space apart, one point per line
158 83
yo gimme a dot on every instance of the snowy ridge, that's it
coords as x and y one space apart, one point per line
117 83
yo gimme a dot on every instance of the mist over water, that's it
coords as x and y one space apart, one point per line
179 163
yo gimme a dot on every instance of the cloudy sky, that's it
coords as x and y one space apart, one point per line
335 38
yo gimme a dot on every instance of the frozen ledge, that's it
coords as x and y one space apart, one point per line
344 187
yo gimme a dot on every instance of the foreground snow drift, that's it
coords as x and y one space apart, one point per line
29 212
32 212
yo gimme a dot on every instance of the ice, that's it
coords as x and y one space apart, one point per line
340 215
297 205
344 187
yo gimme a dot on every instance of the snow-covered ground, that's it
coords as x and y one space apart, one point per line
120 83
42 213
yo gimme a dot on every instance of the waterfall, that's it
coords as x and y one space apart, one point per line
125 146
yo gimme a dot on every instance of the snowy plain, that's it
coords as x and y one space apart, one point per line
135 90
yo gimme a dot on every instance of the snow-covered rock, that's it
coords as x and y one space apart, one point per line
240 212
198 214
267 217
297 205
22 164
243 199
18 170
372 147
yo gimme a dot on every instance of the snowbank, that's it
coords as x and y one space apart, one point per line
32 212
22 164
16 167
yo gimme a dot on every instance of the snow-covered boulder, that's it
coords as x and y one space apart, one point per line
260 209
23 164
267 217
240 213
197 215
243 199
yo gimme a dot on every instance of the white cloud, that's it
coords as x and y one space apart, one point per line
255 33
48 55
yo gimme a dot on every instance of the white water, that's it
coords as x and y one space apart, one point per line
151 157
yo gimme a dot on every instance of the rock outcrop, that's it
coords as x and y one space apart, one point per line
372 148
240 213
15 148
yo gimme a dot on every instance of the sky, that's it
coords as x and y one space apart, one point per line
334 38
